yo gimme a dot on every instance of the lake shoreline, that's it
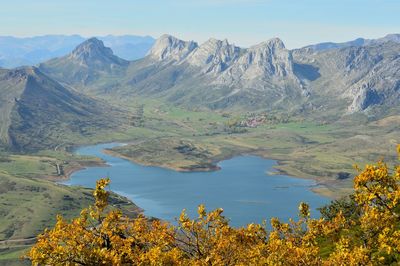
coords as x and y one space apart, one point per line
132 179
320 188
70 170
177 169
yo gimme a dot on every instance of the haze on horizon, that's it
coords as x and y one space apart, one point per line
243 22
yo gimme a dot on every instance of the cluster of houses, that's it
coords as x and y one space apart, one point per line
253 122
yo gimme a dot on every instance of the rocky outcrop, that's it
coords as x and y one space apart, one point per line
169 48
214 56
270 58
266 61
363 98
381 85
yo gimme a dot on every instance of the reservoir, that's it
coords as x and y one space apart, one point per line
243 188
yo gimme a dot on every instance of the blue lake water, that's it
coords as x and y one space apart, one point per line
242 188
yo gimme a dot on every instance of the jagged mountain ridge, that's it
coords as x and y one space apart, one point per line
268 60
217 74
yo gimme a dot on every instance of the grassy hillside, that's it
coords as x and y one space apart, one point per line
30 205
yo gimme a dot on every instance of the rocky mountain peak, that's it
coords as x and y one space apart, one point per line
214 55
261 65
92 51
269 58
85 64
89 48
169 47
215 44
274 43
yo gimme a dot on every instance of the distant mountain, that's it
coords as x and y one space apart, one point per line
357 42
16 52
37 112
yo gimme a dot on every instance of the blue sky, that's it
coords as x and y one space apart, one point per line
243 22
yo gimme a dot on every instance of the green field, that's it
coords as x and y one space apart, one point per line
185 140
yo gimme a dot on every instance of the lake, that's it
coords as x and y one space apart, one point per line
243 188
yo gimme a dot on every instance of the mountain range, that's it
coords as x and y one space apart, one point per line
220 75
15 52
68 95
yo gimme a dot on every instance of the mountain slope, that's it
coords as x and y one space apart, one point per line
354 78
38 113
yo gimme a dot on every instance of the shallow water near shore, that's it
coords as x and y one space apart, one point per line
243 188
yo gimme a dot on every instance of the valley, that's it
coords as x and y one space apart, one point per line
187 107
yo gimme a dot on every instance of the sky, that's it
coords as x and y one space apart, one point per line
243 22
